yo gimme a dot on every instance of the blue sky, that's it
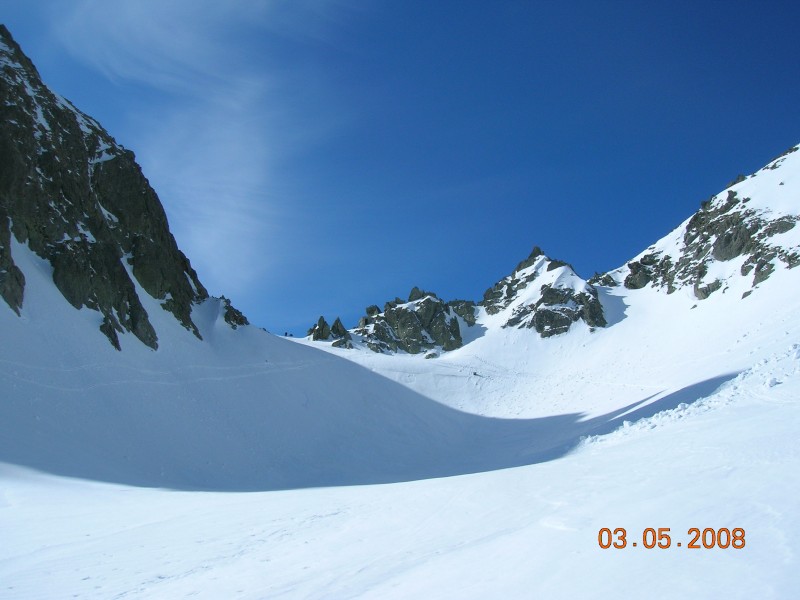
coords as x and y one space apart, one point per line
318 157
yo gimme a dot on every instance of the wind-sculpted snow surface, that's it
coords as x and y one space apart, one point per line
760 383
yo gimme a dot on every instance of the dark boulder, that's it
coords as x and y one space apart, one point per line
321 331
338 330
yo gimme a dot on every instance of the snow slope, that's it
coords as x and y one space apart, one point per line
658 345
730 460
242 410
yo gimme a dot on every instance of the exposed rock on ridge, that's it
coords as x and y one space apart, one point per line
322 332
423 323
79 200
543 294
730 227
738 238
546 295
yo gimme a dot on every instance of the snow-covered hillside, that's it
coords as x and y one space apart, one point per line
238 410
661 343
730 461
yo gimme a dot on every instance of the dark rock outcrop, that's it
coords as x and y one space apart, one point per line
725 228
338 329
12 280
321 331
233 316
422 324
602 279
547 295
79 200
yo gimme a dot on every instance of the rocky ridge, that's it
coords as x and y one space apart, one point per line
423 323
746 231
543 294
79 200
323 332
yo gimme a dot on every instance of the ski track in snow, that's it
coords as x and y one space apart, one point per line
177 377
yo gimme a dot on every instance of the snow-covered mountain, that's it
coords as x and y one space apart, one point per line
722 279
544 294
661 394
423 323
736 240
194 399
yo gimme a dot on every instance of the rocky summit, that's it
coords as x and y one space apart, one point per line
546 295
423 323
79 200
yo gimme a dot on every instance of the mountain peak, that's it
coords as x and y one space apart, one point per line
545 294
11 52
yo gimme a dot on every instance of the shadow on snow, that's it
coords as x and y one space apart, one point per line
365 430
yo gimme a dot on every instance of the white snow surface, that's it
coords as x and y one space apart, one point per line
250 466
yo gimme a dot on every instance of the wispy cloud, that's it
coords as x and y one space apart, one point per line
178 46
211 142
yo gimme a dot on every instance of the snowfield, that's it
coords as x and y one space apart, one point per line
730 460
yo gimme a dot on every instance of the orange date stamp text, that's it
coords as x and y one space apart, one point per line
707 538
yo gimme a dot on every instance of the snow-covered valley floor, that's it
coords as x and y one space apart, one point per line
728 461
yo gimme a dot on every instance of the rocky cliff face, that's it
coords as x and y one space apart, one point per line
746 231
79 200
